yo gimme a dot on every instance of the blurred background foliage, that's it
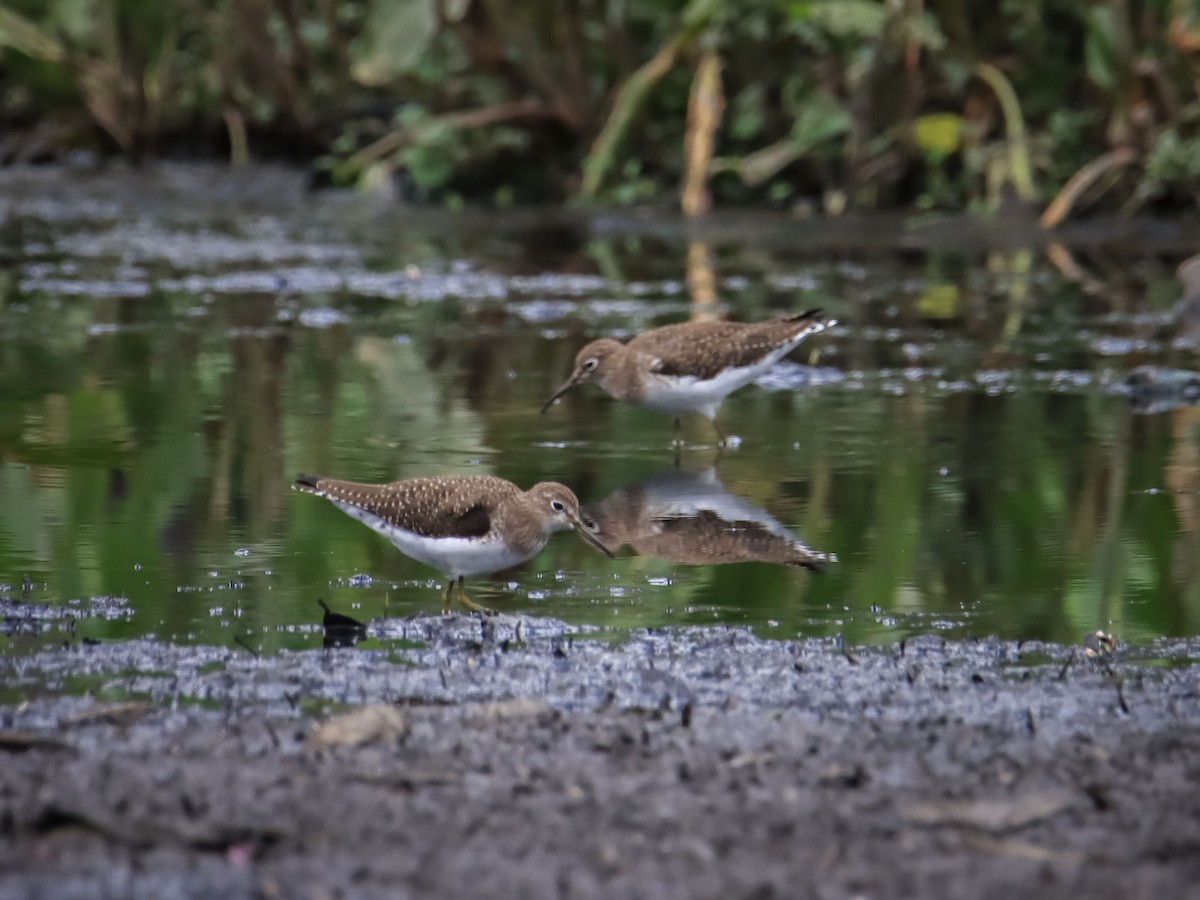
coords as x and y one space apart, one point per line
814 105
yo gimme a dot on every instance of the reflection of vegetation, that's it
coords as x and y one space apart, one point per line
137 461
821 102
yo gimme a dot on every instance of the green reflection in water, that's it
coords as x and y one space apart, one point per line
147 444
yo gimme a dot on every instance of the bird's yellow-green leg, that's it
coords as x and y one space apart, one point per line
468 602
446 596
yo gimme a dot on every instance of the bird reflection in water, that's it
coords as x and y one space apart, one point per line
340 630
689 518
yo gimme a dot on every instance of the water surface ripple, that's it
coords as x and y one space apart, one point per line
964 453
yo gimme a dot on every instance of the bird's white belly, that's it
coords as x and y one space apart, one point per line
451 555
677 394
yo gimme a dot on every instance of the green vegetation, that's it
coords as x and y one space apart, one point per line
816 104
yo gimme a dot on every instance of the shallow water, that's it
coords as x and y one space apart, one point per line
176 345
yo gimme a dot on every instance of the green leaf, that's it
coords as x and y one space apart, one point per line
847 18
1099 47
938 301
747 112
820 118
922 30
396 35
26 37
76 19
939 133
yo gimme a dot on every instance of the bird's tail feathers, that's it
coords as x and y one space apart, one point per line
308 484
812 322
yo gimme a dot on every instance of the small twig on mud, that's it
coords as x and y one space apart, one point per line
26 586
1030 720
1014 848
114 714
408 780
685 716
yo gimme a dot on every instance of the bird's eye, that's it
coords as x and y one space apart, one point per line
591 364
557 505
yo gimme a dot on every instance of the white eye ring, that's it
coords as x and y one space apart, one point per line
591 364
557 505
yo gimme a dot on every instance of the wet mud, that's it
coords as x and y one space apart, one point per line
522 758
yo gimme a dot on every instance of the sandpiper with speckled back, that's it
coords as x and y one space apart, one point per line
691 366
468 525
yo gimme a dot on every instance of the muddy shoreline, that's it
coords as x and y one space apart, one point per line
518 758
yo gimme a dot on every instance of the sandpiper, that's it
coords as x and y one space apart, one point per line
462 526
692 366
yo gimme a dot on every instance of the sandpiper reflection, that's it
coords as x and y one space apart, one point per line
689 518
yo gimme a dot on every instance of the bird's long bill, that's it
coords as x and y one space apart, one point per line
567 385
593 540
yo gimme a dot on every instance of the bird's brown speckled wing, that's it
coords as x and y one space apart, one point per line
432 507
704 349
708 539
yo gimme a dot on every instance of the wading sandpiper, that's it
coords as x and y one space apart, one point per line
692 366
462 526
